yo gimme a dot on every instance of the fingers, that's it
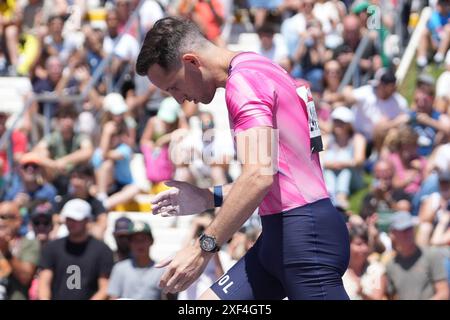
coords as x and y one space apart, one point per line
165 278
165 195
177 278
174 183
163 263
182 285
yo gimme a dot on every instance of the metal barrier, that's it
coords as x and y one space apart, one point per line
354 64
414 42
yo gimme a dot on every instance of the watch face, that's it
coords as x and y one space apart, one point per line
208 243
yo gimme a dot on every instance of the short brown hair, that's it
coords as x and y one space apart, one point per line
165 41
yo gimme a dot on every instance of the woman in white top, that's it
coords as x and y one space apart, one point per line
362 280
344 152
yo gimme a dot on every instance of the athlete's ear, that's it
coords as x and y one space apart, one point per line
192 59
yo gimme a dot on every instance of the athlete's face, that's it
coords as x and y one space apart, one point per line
188 82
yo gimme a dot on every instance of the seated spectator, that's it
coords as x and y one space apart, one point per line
9 37
128 275
29 183
121 233
262 9
124 10
332 77
111 161
442 85
383 199
93 260
126 49
344 155
155 142
344 53
55 44
64 148
376 105
116 111
363 278
402 280
208 15
434 209
409 166
430 125
310 55
80 187
436 36
21 254
439 161
151 11
212 155
19 145
41 217
269 46
293 27
54 80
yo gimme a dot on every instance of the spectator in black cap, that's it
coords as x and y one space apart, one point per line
41 217
128 276
414 273
121 232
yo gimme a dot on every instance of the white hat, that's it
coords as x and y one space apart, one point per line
344 114
169 110
115 103
76 209
402 220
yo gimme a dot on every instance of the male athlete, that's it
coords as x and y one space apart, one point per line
303 250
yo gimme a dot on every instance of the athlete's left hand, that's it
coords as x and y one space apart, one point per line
187 265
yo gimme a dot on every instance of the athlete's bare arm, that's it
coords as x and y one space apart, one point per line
244 197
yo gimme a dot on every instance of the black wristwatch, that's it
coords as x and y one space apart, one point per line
208 243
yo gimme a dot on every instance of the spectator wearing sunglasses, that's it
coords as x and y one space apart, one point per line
29 183
41 216
19 254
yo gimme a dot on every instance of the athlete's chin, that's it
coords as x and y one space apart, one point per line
207 100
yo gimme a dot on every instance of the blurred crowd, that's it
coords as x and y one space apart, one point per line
68 162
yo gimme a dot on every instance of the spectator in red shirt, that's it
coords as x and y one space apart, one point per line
19 144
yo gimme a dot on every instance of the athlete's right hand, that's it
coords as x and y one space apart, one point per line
182 199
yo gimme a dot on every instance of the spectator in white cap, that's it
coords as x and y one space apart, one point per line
414 273
116 113
344 155
77 261
158 134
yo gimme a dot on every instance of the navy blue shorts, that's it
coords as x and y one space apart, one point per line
301 254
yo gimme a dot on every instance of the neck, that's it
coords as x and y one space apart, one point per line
357 265
143 261
220 64
67 135
31 185
408 251
78 238
342 140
